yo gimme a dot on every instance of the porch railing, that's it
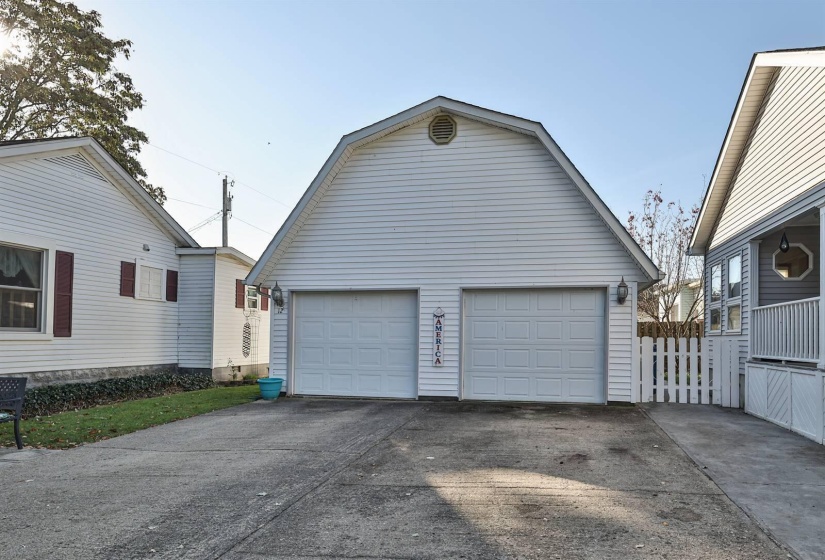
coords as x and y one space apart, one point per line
786 331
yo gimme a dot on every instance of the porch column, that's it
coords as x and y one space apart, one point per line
821 363
753 300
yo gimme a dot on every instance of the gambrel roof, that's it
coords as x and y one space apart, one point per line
97 155
745 117
438 105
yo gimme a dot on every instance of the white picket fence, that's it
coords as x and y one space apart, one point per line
678 370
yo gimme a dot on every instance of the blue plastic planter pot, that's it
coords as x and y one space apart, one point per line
270 388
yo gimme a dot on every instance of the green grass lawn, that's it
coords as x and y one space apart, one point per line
70 429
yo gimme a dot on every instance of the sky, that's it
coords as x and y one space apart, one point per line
638 94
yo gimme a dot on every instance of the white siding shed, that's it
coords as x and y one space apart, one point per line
499 209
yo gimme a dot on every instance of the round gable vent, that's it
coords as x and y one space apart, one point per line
442 129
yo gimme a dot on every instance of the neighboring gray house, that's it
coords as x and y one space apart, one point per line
762 230
98 280
454 251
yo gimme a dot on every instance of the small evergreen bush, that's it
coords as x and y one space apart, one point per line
51 399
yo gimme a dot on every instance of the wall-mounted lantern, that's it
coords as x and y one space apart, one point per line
278 297
622 292
783 244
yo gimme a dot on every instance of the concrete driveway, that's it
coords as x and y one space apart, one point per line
375 479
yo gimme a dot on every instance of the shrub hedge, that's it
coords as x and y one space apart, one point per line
51 399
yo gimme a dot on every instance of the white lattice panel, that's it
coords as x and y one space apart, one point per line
778 401
757 401
806 410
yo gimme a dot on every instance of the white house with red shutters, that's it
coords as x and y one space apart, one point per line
97 280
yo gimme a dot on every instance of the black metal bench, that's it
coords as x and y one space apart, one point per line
12 392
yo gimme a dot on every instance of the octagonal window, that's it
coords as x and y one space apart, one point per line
796 264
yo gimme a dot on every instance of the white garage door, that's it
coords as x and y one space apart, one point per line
534 345
356 344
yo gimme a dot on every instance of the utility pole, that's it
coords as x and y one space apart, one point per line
226 211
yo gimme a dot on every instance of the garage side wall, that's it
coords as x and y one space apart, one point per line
490 209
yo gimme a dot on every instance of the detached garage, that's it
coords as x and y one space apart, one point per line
453 251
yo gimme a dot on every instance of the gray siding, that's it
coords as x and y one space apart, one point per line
772 287
196 291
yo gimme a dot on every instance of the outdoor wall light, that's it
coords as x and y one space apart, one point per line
278 297
621 292
783 244
146 247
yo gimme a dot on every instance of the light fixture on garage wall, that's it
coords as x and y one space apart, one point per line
278 297
622 292
783 244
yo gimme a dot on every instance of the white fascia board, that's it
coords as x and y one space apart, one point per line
229 252
697 247
808 59
493 118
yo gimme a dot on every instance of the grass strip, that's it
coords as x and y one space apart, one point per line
70 429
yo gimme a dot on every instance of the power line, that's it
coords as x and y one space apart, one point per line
192 203
251 225
206 222
250 187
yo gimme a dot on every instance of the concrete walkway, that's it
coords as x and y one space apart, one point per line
774 475
323 479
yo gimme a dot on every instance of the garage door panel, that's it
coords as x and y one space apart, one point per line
341 330
356 344
549 388
545 345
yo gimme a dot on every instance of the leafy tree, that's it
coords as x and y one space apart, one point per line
663 231
57 78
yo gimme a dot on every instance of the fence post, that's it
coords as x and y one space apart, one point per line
694 371
683 371
660 369
671 369
716 378
635 370
647 369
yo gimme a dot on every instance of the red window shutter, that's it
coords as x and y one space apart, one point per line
127 279
171 285
239 294
63 289
264 299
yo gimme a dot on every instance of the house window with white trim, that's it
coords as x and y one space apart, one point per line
715 296
21 288
734 294
151 283
251 297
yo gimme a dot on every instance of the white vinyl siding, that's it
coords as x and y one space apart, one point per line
229 320
196 290
783 157
492 208
101 225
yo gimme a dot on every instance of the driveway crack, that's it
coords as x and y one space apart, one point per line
322 482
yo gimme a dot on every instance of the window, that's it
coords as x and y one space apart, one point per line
735 276
796 264
151 282
251 297
716 283
715 304
716 319
21 288
734 294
